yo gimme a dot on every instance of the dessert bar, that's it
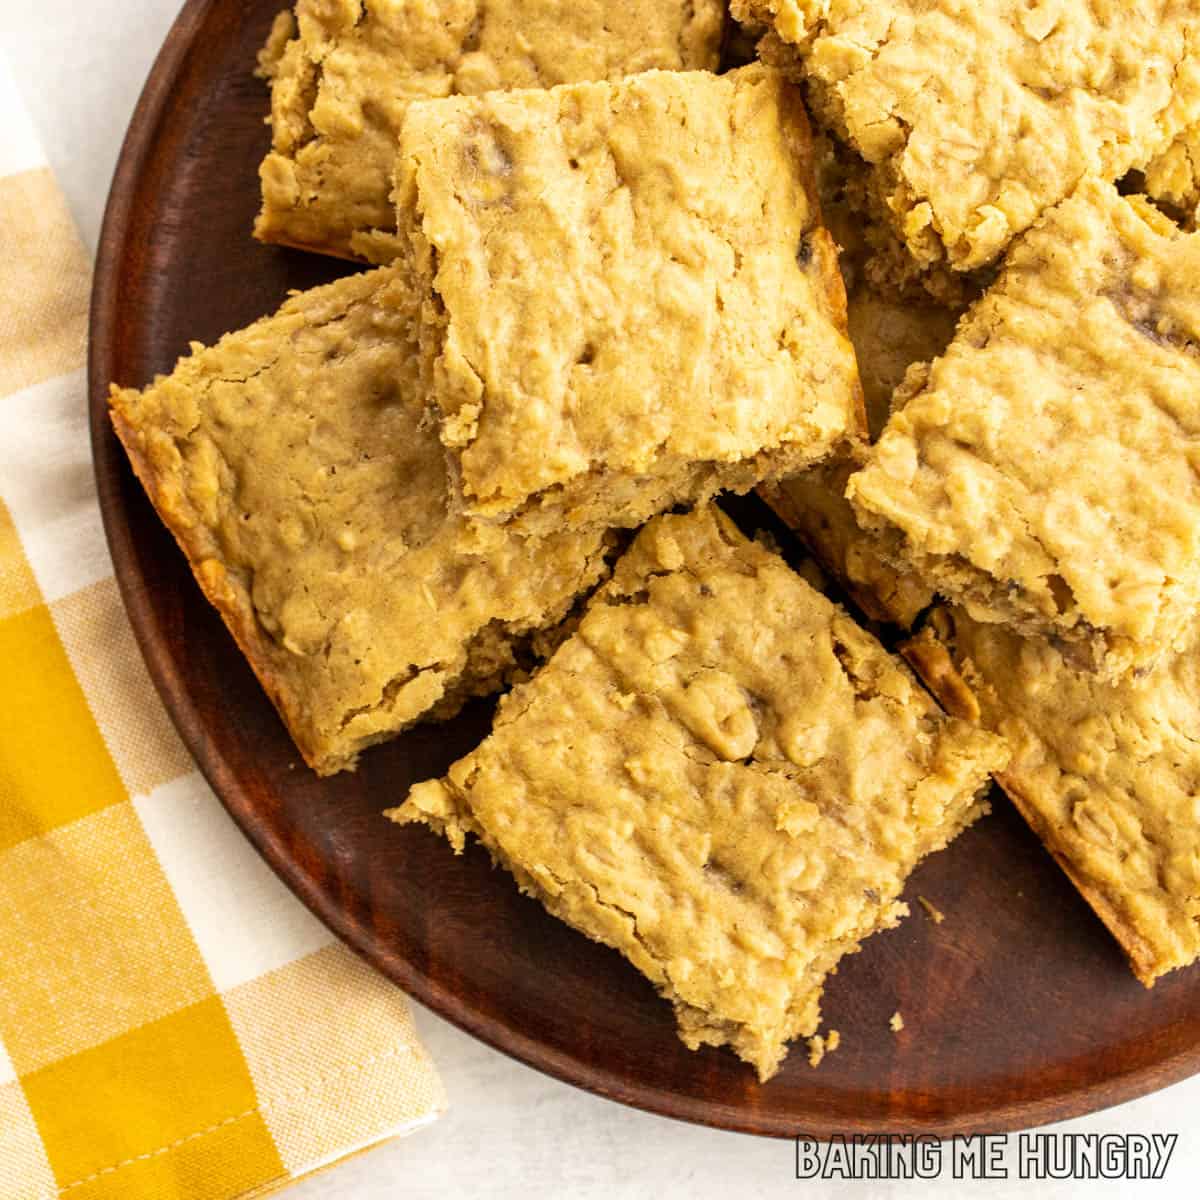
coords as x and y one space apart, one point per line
1045 471
978 117
632 302
722 776
291 463
1106 775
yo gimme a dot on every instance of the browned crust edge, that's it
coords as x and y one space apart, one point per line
833 289
827 260
933 662
235 609
785 508
1141 958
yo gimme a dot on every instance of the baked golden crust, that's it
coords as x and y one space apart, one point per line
722 776
1106 775
634 302
1043 471
292 466
978 117
344 72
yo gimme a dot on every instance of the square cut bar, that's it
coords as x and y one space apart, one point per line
344 72
291 463
1107 775
977 117
722 776
633 302
1045 471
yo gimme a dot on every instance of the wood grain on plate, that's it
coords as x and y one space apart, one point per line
1018 1009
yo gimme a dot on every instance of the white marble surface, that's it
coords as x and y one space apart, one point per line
510 1132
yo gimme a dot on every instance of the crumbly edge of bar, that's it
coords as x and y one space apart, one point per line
445 809
792 22
603 498
891 201
270 57
1111 657
889 265
289 226
1172 179
934 661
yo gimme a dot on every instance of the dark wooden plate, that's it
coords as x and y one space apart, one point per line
1018 1009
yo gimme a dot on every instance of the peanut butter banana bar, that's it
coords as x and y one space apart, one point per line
1045 471
291 463
977 117
1106 775
722 776
343 78
633 301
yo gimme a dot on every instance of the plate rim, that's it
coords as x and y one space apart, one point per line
111 472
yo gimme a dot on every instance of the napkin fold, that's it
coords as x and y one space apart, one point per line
173 1023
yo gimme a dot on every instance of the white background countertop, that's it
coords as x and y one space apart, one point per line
511 1132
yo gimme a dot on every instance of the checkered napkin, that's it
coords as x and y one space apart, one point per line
172 1022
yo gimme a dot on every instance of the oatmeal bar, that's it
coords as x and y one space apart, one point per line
722 776
633 302
1107 775
978 117
291 464
341 84
1045 471
792 21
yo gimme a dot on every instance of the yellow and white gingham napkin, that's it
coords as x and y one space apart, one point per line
172 1022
